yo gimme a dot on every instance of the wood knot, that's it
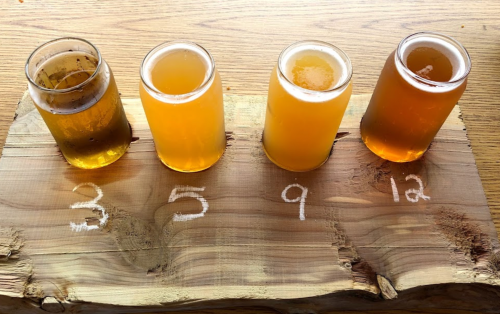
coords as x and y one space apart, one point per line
138 240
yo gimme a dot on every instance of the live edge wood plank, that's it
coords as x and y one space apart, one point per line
357 248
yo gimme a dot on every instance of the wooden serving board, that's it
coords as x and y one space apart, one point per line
359 233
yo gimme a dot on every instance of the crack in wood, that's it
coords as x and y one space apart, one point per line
52 305
16 275
360 269
10 244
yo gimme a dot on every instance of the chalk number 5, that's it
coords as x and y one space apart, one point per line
188 191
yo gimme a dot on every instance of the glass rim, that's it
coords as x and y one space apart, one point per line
461 49
70 89
342 54
153 51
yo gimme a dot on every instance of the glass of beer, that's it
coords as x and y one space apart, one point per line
421 82
309 90
181 92
75 92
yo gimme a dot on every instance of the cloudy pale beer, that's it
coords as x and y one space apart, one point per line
309 90
421 82
181 92
75 92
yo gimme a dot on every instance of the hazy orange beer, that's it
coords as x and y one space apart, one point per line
421 82
309 90
75 92
181 92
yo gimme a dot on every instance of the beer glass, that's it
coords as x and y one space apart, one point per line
75 92
181 92
421 82
309 90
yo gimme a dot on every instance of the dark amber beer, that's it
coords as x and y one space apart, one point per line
75 92
421 82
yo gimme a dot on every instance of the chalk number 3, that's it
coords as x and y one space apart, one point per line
90 205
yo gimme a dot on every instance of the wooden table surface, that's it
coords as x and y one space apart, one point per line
246 37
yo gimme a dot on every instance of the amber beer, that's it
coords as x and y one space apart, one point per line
75 92
421 82
181 92
309 90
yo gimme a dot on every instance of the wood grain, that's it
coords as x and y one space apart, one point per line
245 39
250 249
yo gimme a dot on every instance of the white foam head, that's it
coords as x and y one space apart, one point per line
448 46
73 99
337 59
157 53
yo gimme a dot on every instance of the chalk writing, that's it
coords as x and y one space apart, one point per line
188 191
395 193
90 205
417 194
301 198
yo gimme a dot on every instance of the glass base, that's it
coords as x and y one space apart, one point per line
190 170
83 165
408 157
290 169
95 162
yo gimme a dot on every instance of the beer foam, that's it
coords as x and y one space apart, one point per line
341 71
456 54
76 98
158 53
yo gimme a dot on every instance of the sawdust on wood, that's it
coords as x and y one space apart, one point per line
464 234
